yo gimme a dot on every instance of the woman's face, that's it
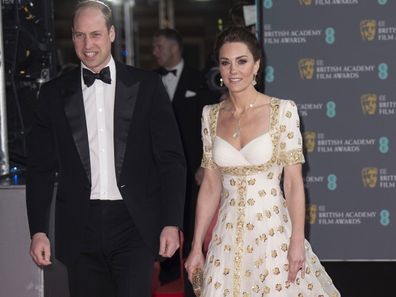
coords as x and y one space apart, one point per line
237 66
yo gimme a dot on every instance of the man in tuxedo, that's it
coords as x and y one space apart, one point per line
109 132
184 85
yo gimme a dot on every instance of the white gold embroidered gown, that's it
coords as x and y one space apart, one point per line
247 255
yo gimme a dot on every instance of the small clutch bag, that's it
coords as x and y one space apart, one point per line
197 281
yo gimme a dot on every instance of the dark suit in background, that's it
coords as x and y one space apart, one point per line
188 92
188 110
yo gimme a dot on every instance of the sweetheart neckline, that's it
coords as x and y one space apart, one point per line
247 144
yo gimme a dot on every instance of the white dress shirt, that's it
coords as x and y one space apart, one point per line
170 80
99 113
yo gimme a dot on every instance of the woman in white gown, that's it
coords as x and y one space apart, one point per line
258 246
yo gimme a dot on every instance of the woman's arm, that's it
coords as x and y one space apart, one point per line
295 199
207 202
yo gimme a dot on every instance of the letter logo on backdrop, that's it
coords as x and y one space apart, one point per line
369 103
306 67
368 29
370 177
309 141
305 2
310 213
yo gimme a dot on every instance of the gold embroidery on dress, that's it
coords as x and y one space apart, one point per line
207 158
292 157
239 236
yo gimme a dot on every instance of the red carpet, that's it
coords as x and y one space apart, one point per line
173 289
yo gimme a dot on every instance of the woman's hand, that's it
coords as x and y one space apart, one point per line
195 260
296 258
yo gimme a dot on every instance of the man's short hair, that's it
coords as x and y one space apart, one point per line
171 34
104 8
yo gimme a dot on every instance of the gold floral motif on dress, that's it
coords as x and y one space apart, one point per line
267 290
278 287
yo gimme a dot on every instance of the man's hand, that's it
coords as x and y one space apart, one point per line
40 250
169 241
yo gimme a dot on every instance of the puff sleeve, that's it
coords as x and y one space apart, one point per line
290 139
207 156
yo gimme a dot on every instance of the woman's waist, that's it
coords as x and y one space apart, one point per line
246 170
256 180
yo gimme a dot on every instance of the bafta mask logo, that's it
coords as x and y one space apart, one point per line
309 141
368 29
369 103
370 177
307 68
310 213
305 2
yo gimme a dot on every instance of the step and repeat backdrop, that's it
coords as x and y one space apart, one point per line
337 60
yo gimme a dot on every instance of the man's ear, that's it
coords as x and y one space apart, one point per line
112 33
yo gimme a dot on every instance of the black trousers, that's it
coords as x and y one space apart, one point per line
114 261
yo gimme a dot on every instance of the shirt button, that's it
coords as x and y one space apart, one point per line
100 109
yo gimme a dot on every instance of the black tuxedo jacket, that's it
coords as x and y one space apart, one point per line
187 105
149 159
188 101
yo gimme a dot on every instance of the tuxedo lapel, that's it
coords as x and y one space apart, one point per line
75 114
127 88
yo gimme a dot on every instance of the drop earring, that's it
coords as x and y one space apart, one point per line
221 82
254 82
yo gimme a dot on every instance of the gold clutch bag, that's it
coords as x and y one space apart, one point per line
197 281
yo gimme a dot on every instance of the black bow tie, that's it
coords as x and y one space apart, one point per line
162 71
89 77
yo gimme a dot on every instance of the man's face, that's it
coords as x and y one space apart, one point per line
91 38
163 51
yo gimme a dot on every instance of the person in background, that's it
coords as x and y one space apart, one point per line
109 132
250 141
184 86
